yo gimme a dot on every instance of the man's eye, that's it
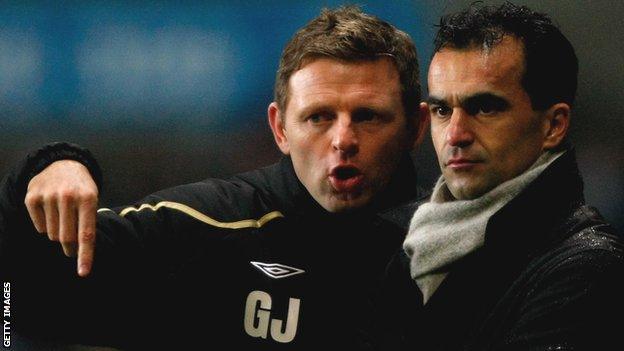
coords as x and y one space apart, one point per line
482 110
486 109
314 118
441 111
365 115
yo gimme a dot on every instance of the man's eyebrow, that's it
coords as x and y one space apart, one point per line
472 99
433 100
315 107
477 98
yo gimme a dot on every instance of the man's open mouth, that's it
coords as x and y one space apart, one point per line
346 178
346 172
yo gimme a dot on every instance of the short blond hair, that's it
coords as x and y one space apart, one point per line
348 34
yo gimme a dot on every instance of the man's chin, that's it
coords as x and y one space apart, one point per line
466 190
344 203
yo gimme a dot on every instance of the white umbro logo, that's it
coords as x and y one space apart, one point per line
277 270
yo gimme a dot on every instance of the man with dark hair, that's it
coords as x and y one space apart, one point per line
285 257
504 255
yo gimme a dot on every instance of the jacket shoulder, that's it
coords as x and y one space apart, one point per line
401 215
591 255
572 291
589 235
220 200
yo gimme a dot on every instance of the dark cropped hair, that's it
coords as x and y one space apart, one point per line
348 34
551 66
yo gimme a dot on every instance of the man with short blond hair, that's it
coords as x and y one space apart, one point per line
286 257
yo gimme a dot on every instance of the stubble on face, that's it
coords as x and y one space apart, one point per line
346 130
487 131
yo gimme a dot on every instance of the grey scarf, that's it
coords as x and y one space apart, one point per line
444 229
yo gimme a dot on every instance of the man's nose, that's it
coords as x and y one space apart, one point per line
459 132
344 137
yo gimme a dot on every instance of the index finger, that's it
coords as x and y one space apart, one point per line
86 238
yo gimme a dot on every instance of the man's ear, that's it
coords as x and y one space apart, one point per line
423 124
556 124
276 122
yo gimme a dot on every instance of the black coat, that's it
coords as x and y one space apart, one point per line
181 269
547 278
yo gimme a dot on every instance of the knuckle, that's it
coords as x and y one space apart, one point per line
87 236
48 198
32 199
66 195
89 197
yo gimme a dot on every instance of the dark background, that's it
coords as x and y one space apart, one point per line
165 92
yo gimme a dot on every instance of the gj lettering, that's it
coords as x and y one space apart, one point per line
258 321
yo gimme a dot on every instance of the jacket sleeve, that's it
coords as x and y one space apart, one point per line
138 249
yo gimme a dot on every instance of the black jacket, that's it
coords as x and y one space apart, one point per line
547 278
195 266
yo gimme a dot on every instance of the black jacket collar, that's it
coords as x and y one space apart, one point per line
542 213
292 198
